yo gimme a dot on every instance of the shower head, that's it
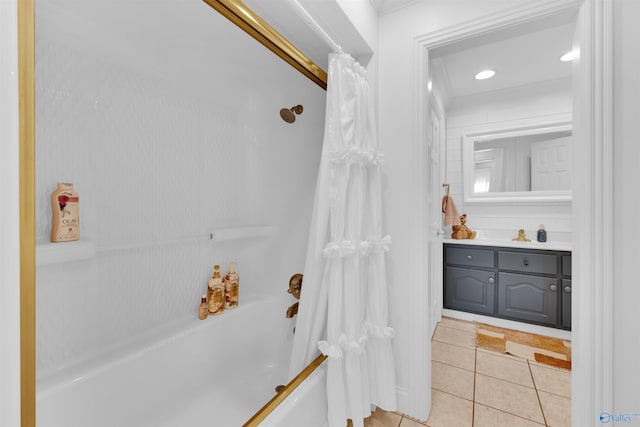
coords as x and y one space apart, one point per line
289 114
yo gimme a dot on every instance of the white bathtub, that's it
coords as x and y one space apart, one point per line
215 372
306 406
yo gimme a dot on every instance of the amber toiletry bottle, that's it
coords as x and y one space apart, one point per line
65 214
232 283
203 311
216 292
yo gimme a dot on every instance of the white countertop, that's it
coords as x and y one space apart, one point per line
549 245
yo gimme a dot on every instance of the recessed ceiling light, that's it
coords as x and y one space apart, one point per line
567 57
486 74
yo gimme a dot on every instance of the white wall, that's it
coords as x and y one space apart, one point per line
396 33
550 102
9 220
397 113
166 137
626 294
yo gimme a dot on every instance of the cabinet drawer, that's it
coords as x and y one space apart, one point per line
471 257
528 262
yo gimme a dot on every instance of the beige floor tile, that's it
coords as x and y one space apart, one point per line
505 355
544 365
381 418
494 365
452 380
455 337
453 355
552 380
557 409
462 325
449 411
508 397
408 422
484 416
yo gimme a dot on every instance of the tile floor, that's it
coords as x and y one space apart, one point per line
474 387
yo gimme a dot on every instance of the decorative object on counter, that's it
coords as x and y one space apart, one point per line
462 231
521 237
216 292
203 310
65 214
295 287
542 234
231 287
451 215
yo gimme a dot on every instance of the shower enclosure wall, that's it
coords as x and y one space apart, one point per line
169 129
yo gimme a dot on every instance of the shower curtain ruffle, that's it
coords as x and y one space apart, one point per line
343 310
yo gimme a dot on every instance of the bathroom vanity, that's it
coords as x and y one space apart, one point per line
511 281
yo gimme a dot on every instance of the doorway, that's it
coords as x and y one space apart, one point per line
591 383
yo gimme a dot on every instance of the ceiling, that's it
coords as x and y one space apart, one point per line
520 55
385 6
288 20
525 55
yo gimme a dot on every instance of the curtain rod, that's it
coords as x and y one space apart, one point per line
313 24
247 20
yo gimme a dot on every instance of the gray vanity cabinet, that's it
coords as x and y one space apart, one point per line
470 290
470 279
566 303
528 298
526 285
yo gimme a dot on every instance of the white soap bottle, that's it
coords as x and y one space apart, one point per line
65 213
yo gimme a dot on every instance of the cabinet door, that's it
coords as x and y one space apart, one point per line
566 303
470 290
529 298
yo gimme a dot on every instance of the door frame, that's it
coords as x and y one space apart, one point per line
592 317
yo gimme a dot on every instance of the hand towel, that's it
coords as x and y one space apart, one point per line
451 215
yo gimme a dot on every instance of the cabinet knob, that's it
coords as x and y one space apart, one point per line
567 289
469 257
491 280
525 261
553 287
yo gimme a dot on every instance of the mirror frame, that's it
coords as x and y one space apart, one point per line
521 197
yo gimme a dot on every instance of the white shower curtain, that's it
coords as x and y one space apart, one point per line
343 307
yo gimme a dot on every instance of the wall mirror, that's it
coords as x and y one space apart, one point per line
518 164
501 122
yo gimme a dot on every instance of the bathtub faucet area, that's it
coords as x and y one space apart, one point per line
295 287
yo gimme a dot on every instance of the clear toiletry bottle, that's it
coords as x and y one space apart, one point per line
216 292
232 283
542 234
65 214
203 311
